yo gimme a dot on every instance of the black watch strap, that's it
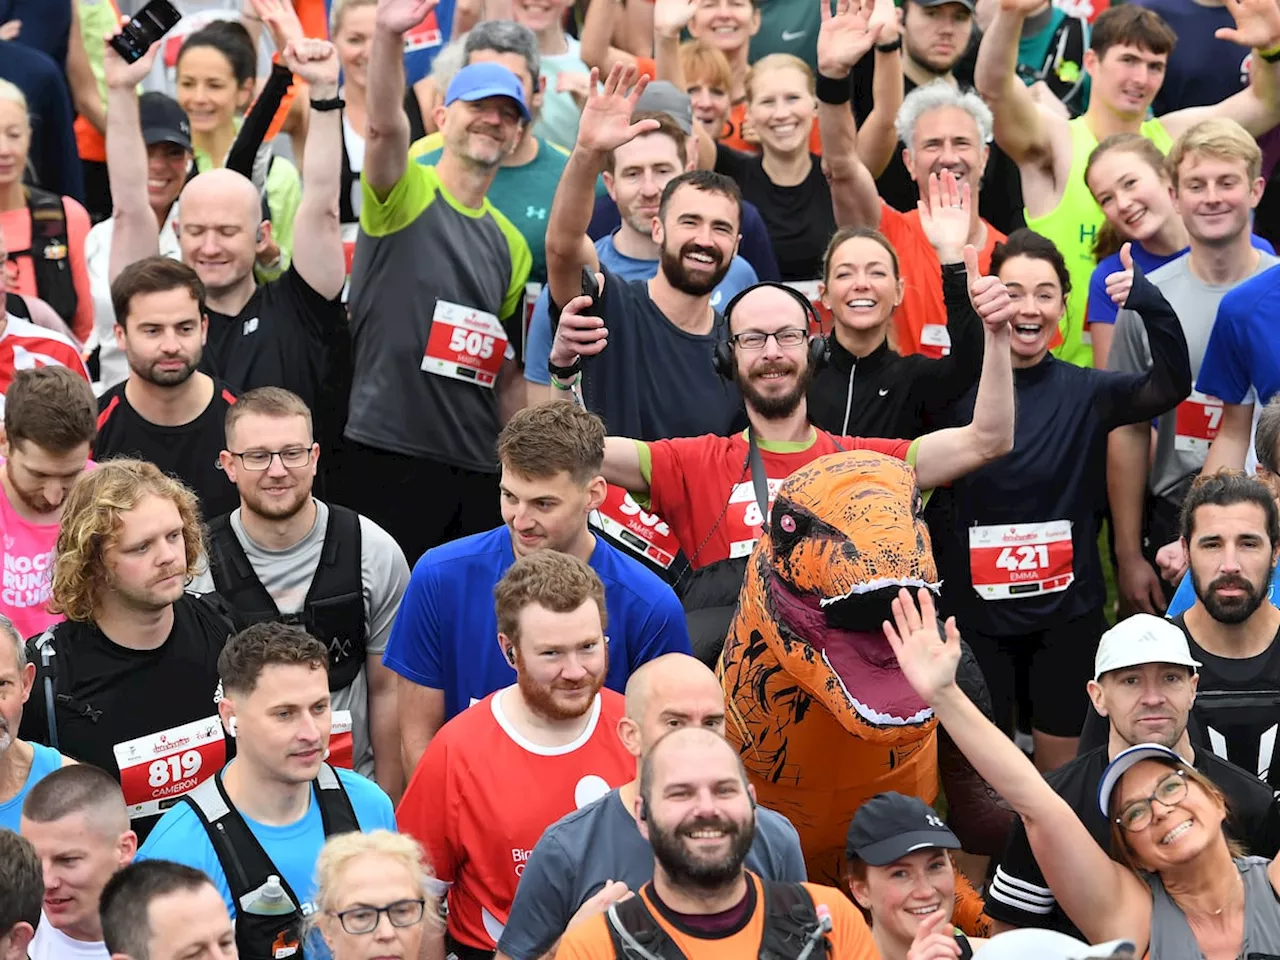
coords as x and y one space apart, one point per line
564 373
333 103
892 45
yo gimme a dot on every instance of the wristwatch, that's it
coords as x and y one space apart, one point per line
564 373
892 45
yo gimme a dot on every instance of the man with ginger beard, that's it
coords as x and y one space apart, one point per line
505 769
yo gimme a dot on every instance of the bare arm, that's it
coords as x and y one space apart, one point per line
622 465
1106 900
317 236
597 33
1128 454
421 714
1021 126
84 86
1230 447
384 727
843 40
512 394
878 137
386 153
136 234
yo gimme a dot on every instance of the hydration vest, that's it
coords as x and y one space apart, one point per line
15 306
333 611
50 252
792 928
247 866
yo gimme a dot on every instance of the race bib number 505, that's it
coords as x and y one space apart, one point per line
1011 561
157 769
465 344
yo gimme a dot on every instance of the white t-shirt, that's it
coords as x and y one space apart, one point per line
50 943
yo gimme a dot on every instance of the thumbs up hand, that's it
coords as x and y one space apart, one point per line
1121 282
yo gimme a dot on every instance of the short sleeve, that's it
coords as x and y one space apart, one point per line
1224 371
521 264
665 630
386 576
1100 309
668 467
789 858
541 910
413 649
537 351
426 809
1018 893
407 199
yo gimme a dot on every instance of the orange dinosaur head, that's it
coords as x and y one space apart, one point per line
846 533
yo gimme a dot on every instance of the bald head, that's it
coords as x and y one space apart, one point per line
228 188
765 307
668 693
688 752
221 232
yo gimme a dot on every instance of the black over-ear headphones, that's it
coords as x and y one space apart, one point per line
819 350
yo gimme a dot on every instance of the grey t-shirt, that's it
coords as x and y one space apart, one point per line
1196 303
581 851
287 576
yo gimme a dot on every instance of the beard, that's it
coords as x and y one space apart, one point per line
33 499
271 509
152 597
167 378
672 263
548 700
687 869
1231 610
775 407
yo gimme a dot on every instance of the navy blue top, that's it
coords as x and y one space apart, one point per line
1057 469
53 142
46 25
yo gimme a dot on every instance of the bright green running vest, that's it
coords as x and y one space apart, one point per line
1073 227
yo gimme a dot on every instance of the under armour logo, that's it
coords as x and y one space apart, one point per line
535 213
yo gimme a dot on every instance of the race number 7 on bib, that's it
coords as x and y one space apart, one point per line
1016 560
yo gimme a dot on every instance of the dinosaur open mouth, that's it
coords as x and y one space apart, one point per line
845 632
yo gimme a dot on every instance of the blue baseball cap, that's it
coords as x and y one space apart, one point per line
480 80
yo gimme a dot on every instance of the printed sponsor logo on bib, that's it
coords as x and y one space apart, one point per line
341 746
644 534
811 291
159 768
742 520
1196 423
1017 560
424 36
465 344
935 341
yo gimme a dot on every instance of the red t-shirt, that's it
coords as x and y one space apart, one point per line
25 346
691 479
482 795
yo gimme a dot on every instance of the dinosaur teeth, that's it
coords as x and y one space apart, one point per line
871 586
870 714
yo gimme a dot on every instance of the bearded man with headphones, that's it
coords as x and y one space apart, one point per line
714 492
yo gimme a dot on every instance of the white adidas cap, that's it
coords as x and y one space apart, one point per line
1031 942
1142 638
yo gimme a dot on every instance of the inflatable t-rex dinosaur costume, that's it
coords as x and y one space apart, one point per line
819 710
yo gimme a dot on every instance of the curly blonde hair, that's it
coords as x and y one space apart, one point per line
91 524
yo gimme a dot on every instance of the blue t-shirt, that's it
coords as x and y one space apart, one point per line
180 836
538 349
446 633
1101 309
1243 352
1184 598
44 762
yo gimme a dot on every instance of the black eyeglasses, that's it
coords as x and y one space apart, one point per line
364 919
1136 816
292 458
755 340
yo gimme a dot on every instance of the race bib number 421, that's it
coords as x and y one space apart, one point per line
465 344
157 769
1017 560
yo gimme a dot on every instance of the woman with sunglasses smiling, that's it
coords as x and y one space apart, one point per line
374 898
1182 888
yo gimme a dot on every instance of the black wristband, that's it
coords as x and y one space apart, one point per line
333 103
831 90
563 373
892 45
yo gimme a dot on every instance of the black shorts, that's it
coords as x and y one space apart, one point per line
1047 669
421 503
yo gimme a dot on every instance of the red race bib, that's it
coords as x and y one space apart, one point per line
341 746
1017 560
742 520
935 341
644 534
1196 423
424 36
465 344
157 769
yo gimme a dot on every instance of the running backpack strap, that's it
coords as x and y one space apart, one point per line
336 812
50 252
241 856
759 479
636 935
15 305
334 609
41 650
792 928
234 577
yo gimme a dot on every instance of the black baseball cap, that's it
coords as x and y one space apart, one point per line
163 121
890 825
967 4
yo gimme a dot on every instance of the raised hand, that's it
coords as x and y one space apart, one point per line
612 892
934 939
121 75
1257 24
281 19
1121 282
846 35
672 16
945 216
606 119
400 16
578 335
927 661
315 62
989 296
